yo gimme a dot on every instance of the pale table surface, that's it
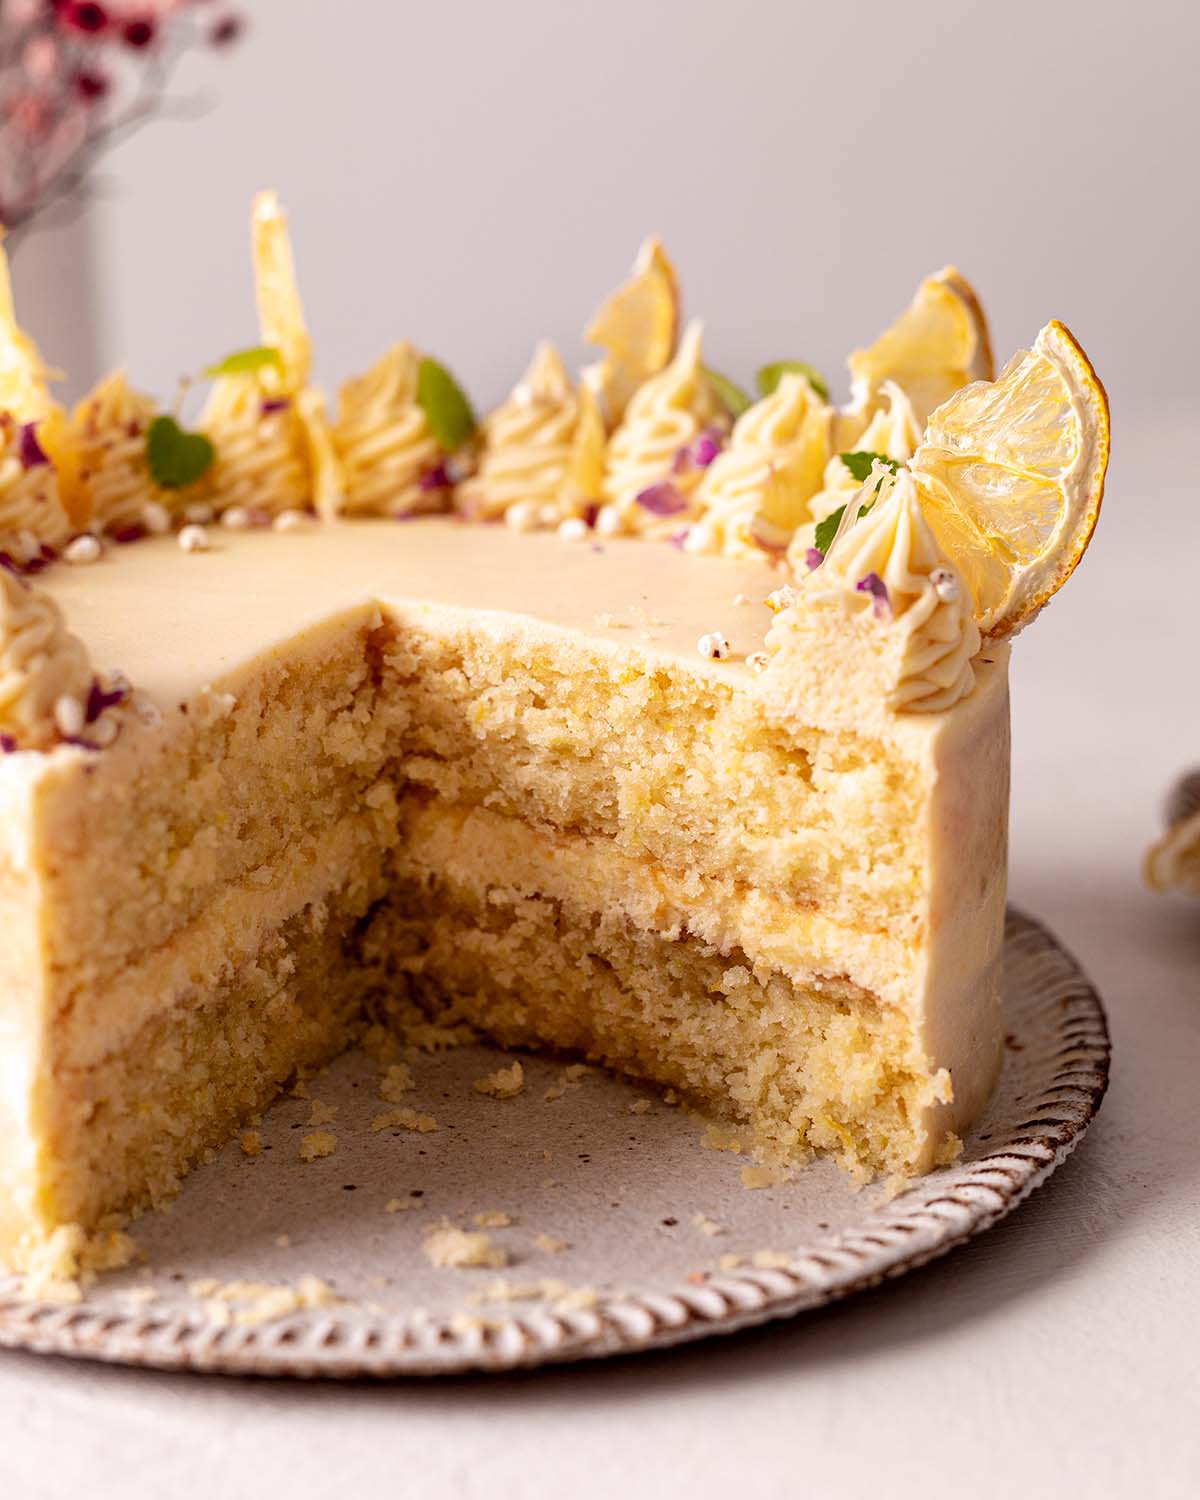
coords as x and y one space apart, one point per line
1057 1354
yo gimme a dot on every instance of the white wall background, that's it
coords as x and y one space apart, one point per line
476 175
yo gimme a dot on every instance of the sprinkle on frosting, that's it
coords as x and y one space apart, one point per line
756 492
666 415
45 675
890 562
527 445
382 437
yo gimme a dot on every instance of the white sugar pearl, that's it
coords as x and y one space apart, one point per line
104 731
292 520
945 585
608 521
237 518
156 518
69 717
713 645
523 516
574 529
193 539
83 549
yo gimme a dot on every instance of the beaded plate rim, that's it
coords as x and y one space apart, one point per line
937 1214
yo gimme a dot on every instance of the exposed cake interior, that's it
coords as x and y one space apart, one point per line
565 837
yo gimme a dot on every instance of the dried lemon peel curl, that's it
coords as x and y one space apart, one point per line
269 427
1011 474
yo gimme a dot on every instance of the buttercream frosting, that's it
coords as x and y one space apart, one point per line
888 565
41 665
384 442
756 492
527 443
108 430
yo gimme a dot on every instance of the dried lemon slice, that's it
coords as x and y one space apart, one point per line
280 314
1012 475
637 327
936 345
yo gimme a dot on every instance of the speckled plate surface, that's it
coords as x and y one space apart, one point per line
663 1242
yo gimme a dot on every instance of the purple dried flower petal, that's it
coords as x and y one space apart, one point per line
437 478
99 699
7 744
706 447
813 558
129 534
874 585
36 565
679 537
275 403
32 454
590 512
47 553
662 499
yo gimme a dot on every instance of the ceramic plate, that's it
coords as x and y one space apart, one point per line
624 1233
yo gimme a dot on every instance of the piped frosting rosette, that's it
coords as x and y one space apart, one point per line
391 462
108 433
45 674
886 568
757 490
528 443
672 430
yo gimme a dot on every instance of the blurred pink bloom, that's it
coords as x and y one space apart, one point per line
31 114
40 56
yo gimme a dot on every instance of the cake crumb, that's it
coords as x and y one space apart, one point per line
504 1083
260 1301
720 1138
707 1226
730 1262
404 1118
321 1113
283 1241
550 1244
950 1150
396 1082
316 1144
568 1079
380 1044
401 1205
492 1218
464 1249
300 1089
771 1260
639 1107
251 1143
762 1175
70 1259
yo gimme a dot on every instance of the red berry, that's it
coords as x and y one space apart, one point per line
83 15
138 33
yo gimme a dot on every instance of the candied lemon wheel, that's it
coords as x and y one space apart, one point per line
936 345
1012 476
637 327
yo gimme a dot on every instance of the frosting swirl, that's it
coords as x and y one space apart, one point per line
527 443
890 564
31 509
41 664
383 441
108 429
756 492
665 415
261 448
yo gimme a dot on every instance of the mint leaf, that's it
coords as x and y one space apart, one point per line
174 457
860 463
827 529
441 398
728 392
249 361
769 376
